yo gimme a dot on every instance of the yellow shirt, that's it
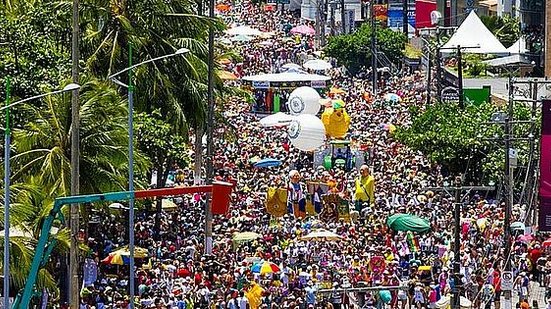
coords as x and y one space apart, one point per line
365 187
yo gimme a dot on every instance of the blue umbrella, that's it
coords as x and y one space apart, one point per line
267 162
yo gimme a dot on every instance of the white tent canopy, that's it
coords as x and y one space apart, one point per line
473 33
286 77
516 59
243 30
519 47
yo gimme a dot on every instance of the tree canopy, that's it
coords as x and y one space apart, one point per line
354 50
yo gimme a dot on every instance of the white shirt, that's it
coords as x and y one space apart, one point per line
242 302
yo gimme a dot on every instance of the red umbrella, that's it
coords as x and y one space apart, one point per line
546 243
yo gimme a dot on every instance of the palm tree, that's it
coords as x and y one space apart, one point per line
177 86
42 146
31 205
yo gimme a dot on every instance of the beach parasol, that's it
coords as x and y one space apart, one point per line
289 65
525 238
303 29
121 256
243 30
225 75
321 235
265 268
406 222
317 65
277 119
221 7
392 97
245 236
335 90
517 226
267 162
117 206
167 204
241 38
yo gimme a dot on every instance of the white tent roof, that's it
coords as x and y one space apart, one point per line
471 33
243 30
286 77
515 59
519 47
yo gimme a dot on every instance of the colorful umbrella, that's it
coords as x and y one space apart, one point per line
392 97
121 256
246 236
303 29
406 222
241 38
525 238
225 75
265 268
335 90
221 7
317 65
517 226
321 235
267 162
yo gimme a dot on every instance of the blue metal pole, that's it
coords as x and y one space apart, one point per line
131 176
7 143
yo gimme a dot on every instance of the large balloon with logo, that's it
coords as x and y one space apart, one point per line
306 132
304 100
336 120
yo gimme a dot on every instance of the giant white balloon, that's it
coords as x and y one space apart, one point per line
306 132
304 100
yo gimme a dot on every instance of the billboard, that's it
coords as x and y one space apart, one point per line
545 168
395 15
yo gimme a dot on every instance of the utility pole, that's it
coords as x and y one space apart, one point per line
458 189
508 181
74 282
199 130
460 77
405 6
343 17
332 4
210 129
429 74
373 48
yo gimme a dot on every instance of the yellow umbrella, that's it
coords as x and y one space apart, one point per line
245 236
169 205
139 252
225 75
335 90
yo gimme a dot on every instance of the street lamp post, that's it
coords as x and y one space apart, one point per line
130 88
7 143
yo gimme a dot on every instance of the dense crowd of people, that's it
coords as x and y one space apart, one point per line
312 273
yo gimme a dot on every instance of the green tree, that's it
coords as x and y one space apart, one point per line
165 149
459 139
31 47
506 28
353 50
176 86
42 146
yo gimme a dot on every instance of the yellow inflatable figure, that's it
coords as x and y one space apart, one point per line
336 120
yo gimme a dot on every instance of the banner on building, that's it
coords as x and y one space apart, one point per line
545 168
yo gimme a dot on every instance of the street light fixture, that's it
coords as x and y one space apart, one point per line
130 88
7 142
